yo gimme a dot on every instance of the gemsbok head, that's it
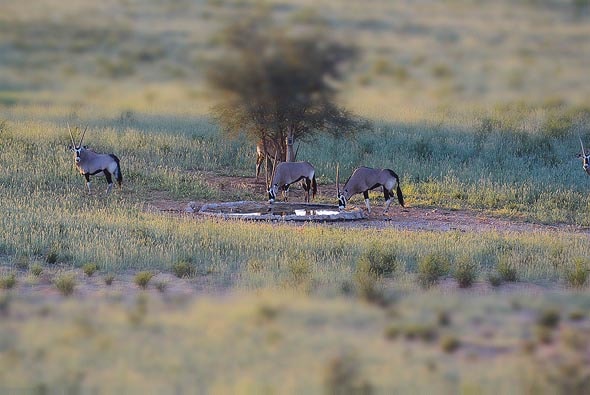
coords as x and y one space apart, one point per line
269 150
287 173
90 163
585 156
363 180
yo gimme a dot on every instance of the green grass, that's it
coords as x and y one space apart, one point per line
471 115
290 344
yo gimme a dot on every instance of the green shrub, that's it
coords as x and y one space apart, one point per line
142 279
22 262
184 269
36 269
342 375
161 286
378 260
506 269
89 269
495 279
422 332
449 344
8 281
255 265
109 278
52 256
65 283
299 270
549 318
577 315
578 275
431 268
465 272
392 332
367 284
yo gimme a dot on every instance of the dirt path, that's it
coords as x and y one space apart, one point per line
409 218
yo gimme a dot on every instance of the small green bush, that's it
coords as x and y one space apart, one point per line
161 286
506 270
22 262
36 269
449 344
184 269
299 270
495 279
367 284
52 256
342 375
392 332
109 278
8 281
549 318
424 332
255 265
431 268
578 275
89 269
465 272
142 279
65 283
378 260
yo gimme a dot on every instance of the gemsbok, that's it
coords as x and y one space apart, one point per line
267 149
287 173
90 163
363 179
585 156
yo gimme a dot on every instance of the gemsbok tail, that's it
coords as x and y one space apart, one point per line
119 175
314 186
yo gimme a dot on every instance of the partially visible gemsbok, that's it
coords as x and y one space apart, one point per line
90 163
269 150
585 156
363 180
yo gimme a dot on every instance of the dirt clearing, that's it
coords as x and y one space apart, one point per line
408 218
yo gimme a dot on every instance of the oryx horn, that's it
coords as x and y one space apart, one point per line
82 138
71 136
582 144
338 180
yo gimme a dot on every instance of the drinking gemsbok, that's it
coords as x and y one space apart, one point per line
286 173
90 163
363 180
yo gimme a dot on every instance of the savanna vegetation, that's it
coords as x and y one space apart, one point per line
104 294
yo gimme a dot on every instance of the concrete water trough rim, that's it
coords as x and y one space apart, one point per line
219 210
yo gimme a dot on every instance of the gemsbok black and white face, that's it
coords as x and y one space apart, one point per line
90 163
585 156
363 179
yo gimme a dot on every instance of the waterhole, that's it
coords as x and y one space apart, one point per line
280 211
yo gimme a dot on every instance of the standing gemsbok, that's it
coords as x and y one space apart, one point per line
585 156
287 173
363 180
269 150
90 163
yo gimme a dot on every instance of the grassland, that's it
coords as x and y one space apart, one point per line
472 112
